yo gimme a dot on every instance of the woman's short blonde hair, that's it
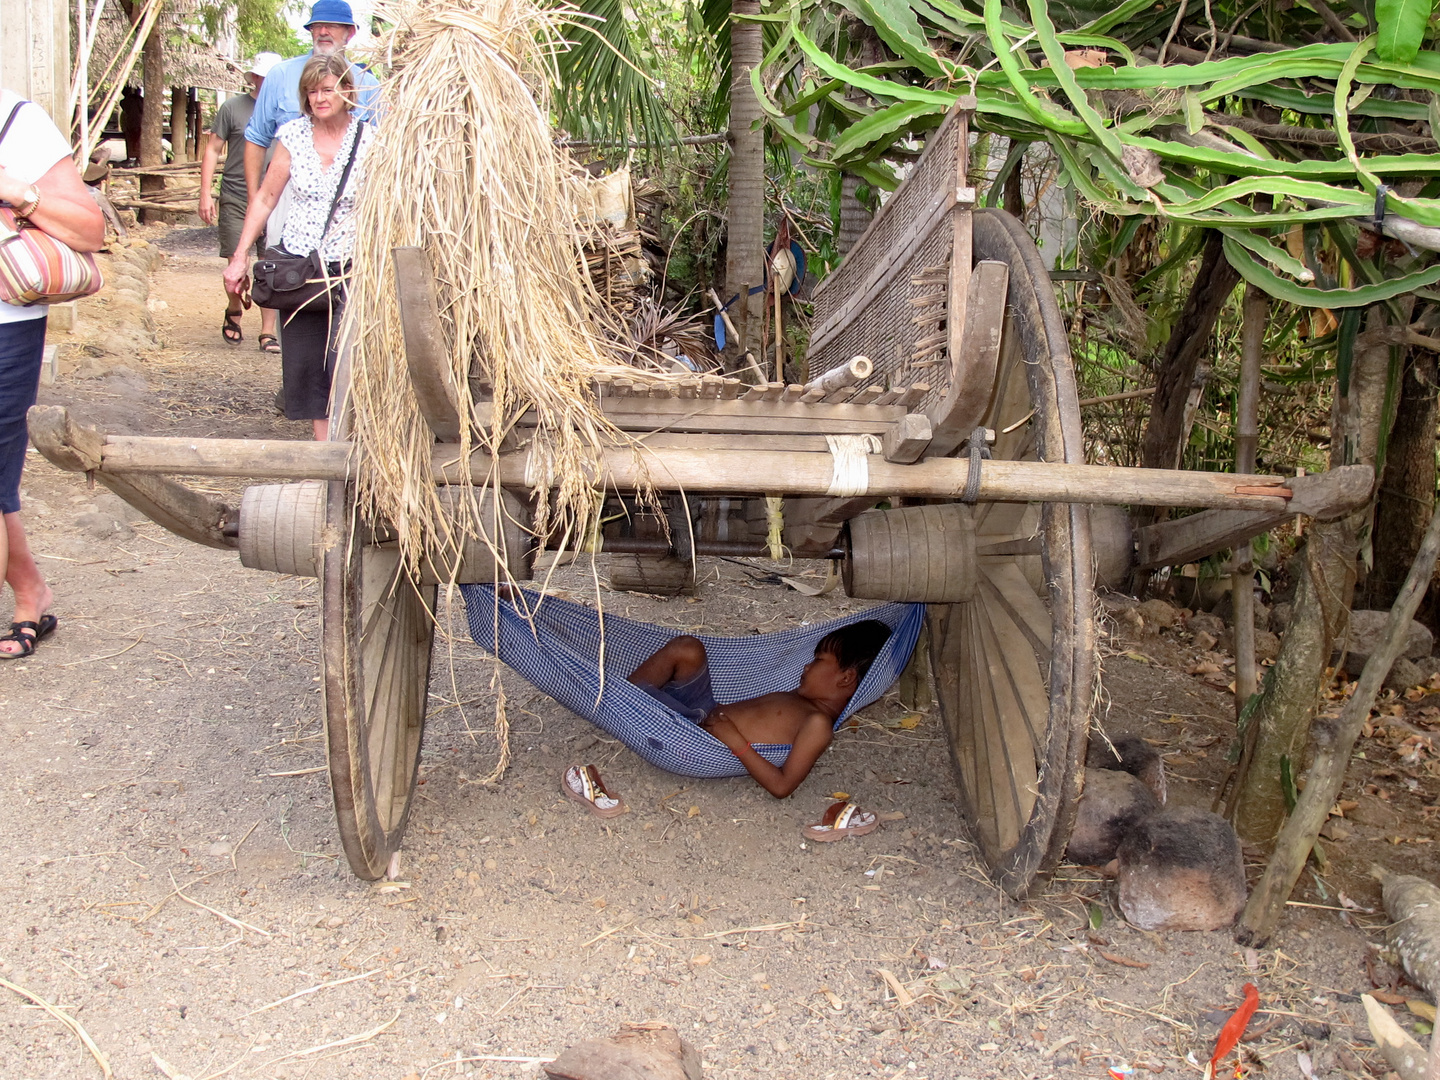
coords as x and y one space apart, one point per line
316 69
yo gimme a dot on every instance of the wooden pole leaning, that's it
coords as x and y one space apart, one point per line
670 469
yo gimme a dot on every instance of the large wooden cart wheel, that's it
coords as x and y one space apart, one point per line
1015 666
376 630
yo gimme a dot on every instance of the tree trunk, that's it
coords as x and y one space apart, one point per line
745 207
152 122
1279 726
1168 428
854 218
1013 194
177 124
1408 493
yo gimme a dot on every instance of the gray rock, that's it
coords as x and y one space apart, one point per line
1262 616
1113 603
1204 621
1225 609
1407 673
1267 645
1159 615
102 526
116 507
1364 638
1280 616
1130 754
1181 869
648 1051
1111 804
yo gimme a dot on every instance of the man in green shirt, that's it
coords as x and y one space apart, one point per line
228 130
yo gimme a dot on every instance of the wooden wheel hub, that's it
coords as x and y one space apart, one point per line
916 554
282 529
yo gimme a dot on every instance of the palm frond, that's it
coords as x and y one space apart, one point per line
607 91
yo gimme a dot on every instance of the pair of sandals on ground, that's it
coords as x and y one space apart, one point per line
230 330
582 784
28 635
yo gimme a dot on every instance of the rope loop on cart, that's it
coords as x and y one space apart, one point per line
979 451
850 463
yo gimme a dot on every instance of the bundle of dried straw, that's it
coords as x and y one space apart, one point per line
465 166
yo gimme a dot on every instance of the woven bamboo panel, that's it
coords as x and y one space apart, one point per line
888 299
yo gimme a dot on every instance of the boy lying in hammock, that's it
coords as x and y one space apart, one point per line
678 676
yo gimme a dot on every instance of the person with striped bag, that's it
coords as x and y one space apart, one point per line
42 191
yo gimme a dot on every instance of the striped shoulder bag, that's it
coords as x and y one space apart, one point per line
35 268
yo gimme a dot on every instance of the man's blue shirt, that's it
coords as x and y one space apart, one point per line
279 99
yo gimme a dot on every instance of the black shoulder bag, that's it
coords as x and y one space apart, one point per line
291 283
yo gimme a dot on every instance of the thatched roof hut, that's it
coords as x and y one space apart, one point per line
191 59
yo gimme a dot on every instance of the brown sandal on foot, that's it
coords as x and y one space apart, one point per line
230 328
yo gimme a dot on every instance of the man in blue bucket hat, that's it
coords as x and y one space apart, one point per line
331 26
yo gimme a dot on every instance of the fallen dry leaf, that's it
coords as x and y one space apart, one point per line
693 811
700 960
893 815
1388 998
1422 1009
1090 58
1204 667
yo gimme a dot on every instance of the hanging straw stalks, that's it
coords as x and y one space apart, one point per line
464 165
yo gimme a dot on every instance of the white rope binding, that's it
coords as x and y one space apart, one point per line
850 463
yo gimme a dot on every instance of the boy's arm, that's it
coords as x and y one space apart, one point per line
815 735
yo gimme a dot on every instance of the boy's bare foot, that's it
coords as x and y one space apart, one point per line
582 783
842 819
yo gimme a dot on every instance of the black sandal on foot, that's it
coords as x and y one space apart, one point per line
39 632
269 343
230 328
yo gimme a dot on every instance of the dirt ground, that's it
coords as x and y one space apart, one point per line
166 741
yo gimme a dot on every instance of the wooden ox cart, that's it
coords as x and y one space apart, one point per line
967 424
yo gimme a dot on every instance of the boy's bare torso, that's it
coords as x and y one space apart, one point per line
770 718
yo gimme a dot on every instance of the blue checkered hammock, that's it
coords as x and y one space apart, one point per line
558 649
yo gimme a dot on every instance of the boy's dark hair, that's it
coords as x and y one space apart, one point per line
855 646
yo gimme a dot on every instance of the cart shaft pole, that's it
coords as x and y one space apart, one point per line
632 467
731 471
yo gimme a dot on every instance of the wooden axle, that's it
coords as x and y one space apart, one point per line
772 472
